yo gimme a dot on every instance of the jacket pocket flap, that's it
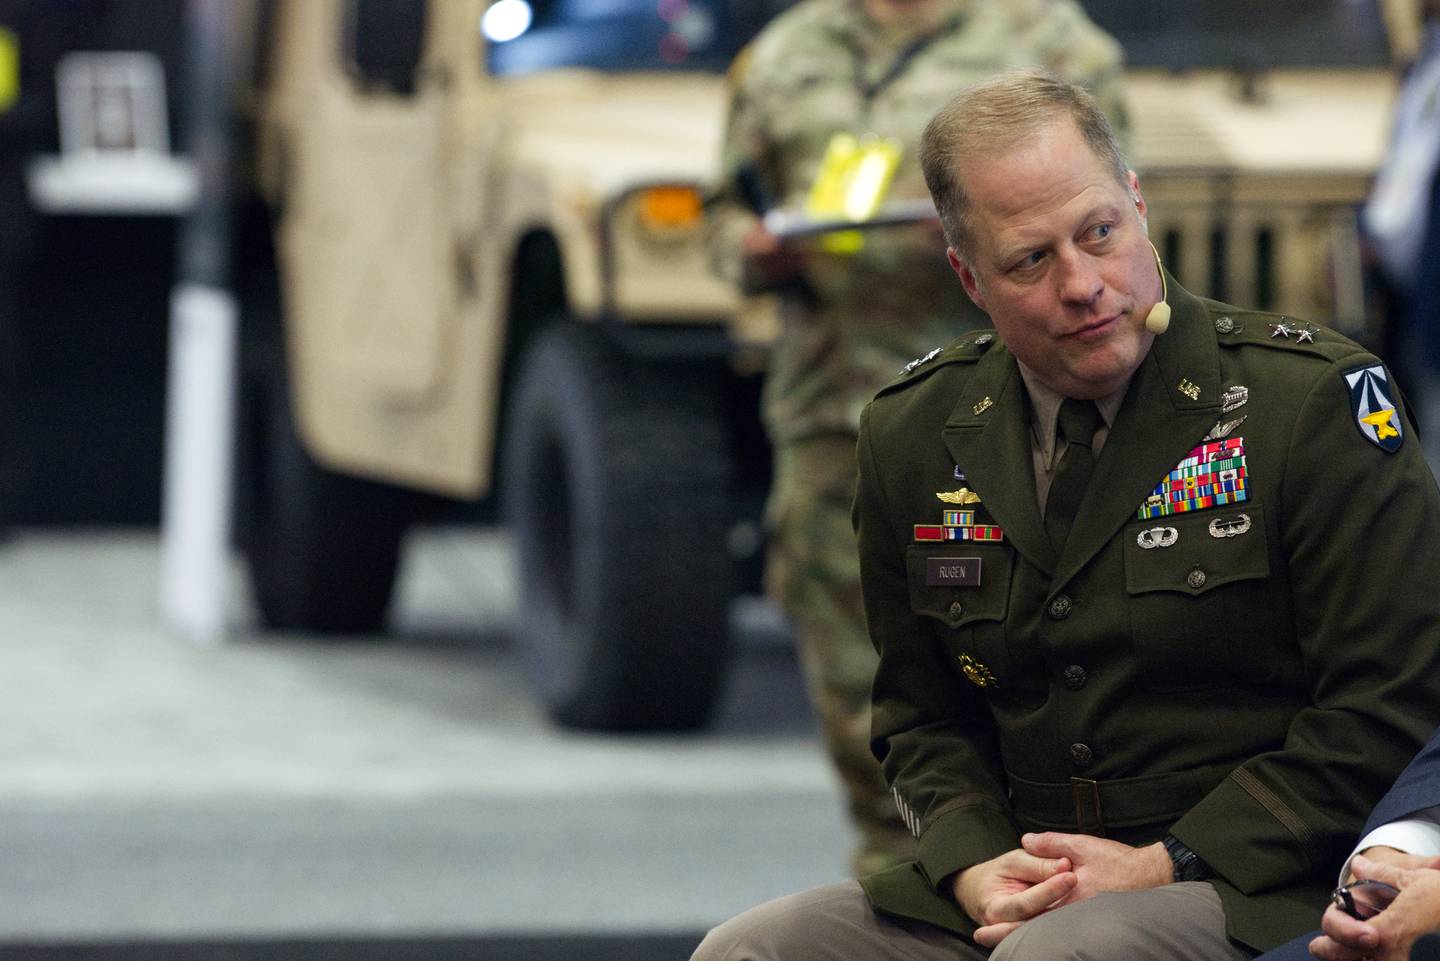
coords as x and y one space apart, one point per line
958 584
1197 552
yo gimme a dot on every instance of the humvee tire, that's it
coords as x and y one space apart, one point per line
322 548
615 488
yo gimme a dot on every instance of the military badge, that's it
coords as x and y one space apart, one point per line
1234 398
1211 475
1223 527
1154 537
1225 429
962 497
918 361
1374 411
977 673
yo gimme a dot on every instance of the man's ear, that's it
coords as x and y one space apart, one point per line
966 275
1133 180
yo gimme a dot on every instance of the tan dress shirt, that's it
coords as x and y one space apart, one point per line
1044 412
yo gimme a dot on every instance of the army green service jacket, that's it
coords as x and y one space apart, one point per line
1239 644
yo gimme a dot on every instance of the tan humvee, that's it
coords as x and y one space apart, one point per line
449 244
404 214
470 264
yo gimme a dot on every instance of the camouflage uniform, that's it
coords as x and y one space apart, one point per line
821 68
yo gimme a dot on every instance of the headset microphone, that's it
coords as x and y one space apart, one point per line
1158 320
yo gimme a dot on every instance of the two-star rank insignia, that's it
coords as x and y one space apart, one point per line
1375 412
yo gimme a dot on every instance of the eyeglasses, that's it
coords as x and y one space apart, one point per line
1363 900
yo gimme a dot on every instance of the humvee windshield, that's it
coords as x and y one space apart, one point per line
1246 34
626 35
629 35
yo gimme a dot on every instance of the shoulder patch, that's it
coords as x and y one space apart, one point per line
1374 411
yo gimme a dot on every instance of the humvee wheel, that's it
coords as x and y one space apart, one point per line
322 548
615 491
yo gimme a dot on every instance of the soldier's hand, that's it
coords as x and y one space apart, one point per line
1005 892
1103 865
1389 935
769 261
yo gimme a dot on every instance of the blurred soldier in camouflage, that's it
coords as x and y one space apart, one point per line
854 312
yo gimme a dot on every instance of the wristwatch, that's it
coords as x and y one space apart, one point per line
1189 866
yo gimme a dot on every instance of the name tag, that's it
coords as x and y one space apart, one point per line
952 572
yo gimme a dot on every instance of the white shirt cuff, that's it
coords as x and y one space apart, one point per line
1417 834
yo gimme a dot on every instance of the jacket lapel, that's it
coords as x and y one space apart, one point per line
988 435
1157 425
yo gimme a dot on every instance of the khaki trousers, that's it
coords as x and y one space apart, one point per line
1179 922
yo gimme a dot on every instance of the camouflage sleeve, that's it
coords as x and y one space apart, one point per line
1078 50
729 211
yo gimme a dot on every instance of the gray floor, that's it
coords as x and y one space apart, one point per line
397 786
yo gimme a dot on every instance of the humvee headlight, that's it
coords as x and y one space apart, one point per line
670 210
505 20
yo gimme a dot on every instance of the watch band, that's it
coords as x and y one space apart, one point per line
1189 866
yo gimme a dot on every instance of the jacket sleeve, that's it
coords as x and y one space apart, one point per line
744 153
934 738
1358 528
1417 787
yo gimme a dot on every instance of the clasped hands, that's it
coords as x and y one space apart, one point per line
1389 935
1051 870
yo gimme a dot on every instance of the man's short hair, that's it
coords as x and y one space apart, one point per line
995 116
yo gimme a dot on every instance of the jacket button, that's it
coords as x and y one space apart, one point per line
1196 578
1081 755
956 609
1060 608
1075 677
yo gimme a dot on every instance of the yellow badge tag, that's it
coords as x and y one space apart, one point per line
9 69
852 181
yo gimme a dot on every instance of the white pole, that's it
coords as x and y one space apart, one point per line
204 334
199 445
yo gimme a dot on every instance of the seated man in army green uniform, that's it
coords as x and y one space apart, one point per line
1152 580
